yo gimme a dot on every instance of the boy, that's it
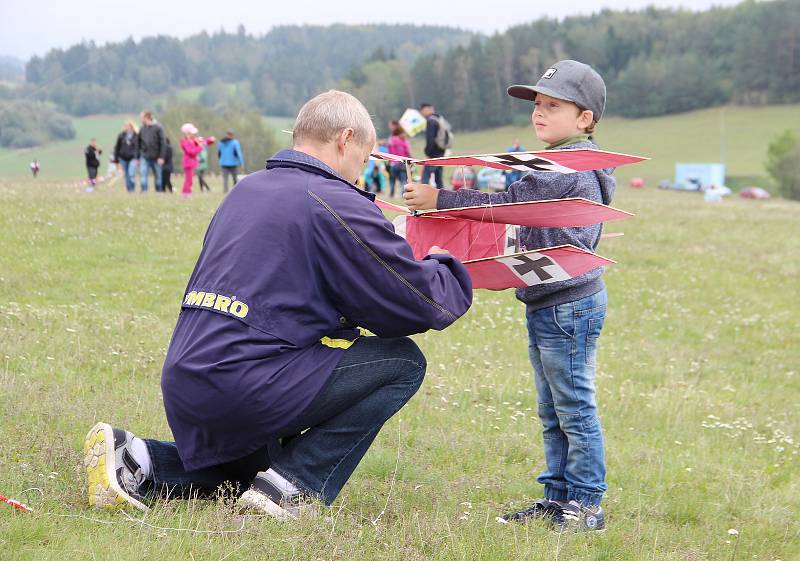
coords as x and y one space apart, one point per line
564 318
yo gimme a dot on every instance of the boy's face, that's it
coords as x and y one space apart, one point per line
555 119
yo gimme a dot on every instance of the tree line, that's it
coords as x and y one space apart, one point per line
275 73
654 61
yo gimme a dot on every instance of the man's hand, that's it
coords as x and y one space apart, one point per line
437 249
420 196
160 161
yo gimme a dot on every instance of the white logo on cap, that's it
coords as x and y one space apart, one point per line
549 74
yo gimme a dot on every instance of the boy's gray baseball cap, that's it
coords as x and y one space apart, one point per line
569 80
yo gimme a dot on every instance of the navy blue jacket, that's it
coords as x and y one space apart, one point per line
294 259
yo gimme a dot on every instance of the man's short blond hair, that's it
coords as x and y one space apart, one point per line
325 116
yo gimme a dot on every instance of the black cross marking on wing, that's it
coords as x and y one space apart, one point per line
512 240
536 266
535 164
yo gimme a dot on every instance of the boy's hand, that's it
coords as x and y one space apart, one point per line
420 196
436 249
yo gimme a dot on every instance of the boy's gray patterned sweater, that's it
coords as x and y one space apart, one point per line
596 186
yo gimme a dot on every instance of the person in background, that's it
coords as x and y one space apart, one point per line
35 168
437 140
202 167
191 146
92 163
515 175
398 145
231 158
167 168
151 149
126 153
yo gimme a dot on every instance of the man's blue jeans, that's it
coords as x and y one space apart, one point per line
322 448
562 349
436 172
145 171
129 169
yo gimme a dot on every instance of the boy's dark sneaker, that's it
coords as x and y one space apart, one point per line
543 508
266 498
113 476
572 517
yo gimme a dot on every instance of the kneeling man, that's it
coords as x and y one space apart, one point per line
268 384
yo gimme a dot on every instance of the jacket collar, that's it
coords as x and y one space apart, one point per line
289 158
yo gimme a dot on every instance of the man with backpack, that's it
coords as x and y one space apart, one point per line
438 139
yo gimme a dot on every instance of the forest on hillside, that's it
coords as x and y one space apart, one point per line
654 61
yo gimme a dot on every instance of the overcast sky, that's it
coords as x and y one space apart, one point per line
32 27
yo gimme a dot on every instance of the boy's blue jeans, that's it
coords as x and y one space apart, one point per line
372 381
562 349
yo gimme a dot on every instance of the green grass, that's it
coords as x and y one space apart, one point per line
65 160
699 373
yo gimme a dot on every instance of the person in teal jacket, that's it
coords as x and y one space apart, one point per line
202 167
231 158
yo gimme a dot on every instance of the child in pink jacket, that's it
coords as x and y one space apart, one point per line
191 146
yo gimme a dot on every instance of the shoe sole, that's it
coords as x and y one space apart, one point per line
256 501
102 487
585 531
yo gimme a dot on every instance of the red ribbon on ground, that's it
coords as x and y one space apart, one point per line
16 504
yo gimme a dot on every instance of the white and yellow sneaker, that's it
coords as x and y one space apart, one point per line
265 497
113 476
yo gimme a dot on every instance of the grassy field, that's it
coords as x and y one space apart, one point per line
699 376
688 137
64 161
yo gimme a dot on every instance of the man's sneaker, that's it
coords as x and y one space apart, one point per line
264 497
572 517
113 476
543 508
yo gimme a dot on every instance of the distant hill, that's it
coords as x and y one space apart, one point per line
281 69
654 62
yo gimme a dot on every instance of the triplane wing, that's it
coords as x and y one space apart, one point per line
557 161
486 239
552 213
531 268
